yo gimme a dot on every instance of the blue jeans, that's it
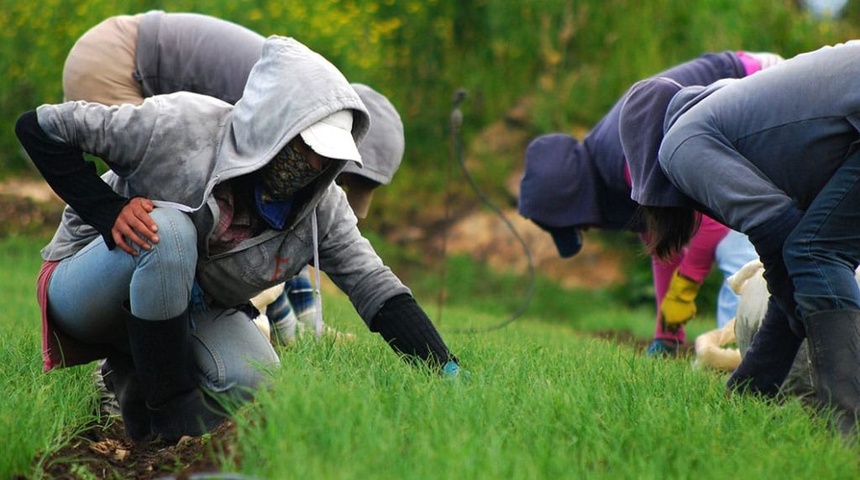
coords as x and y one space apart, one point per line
823 251
733 252
87 291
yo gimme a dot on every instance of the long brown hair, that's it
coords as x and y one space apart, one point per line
669 229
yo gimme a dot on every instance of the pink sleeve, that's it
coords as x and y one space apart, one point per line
663 271
699 257
751 65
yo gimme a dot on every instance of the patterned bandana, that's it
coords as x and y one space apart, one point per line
286 174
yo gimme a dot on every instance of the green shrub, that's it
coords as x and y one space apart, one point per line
571 58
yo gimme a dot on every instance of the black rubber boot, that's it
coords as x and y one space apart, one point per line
162 360
120 379
834 351
769 358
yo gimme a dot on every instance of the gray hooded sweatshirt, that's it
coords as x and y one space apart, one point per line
174 149
749 149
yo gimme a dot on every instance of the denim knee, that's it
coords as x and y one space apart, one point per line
232 354
177 235
797 252
822 279
161 285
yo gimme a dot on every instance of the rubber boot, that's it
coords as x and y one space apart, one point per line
834 351
162 360
769 359
120 378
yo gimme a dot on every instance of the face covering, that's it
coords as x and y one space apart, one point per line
286 174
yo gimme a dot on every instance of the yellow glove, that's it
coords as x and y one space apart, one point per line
679 304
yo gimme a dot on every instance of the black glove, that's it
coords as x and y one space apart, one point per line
408 330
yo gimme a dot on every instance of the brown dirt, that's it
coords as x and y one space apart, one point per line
27 206
103 451
487 238
478 231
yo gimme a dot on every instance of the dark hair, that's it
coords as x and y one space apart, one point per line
669 229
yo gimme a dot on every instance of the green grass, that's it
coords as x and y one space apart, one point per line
38 411
543 400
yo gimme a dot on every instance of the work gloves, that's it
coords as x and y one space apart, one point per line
679 304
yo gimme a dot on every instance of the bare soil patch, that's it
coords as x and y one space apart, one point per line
104 451
28 206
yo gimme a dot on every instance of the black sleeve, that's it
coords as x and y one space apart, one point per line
408 330
73 178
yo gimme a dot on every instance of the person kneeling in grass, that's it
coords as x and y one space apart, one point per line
205 205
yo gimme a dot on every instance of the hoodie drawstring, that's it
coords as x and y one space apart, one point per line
318 319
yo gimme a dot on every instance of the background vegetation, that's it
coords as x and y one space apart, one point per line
562 62
572 58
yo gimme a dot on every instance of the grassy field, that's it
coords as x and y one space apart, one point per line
546 398
543 400
39 411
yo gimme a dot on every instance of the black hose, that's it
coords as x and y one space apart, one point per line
457 151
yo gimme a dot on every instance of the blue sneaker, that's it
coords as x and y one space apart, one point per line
662 348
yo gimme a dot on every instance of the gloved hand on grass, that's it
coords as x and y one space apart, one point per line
453 370
679 304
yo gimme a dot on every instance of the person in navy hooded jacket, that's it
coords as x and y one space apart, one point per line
571 186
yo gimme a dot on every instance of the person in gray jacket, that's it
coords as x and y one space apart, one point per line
126 58
773 155
205 205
